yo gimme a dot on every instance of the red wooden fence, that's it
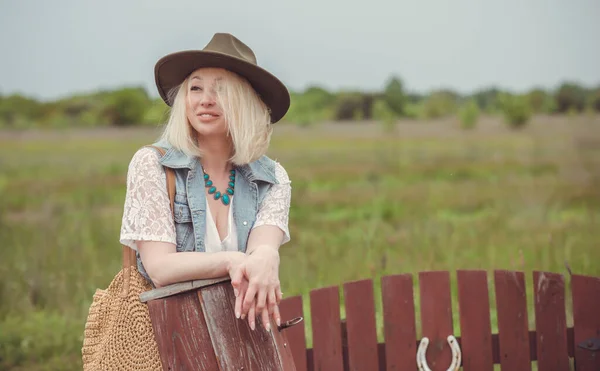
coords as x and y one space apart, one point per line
351 343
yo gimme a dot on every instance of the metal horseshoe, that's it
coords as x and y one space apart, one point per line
422 358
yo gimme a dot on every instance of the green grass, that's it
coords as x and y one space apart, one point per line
365 204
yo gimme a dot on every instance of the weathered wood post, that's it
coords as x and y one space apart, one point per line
196 329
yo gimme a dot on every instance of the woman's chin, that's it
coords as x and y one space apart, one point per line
210 129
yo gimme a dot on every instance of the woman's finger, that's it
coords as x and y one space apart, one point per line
271 301
279 295
266 320
249 301
239 299
261 300
252 316
276 315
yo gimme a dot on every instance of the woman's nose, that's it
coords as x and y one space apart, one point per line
208 100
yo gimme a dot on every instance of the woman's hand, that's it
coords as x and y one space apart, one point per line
256 283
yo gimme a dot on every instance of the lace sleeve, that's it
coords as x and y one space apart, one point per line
147 212
275 207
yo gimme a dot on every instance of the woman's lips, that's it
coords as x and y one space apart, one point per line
207 117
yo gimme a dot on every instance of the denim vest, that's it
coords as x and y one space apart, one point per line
252 183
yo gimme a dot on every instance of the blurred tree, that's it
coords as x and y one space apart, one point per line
570 97
414 98
516 109
594 100
469 113
19 111
127 106
367 106
487 99
394 95
318 98
349 106
440 103
537 100
314 104
383 113
414 110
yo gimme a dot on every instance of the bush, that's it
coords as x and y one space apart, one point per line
488 100
383 114
570 97
394 96
469 113
414 110
594 100
440 104
537 100
17 111
516 110
315 104
84 110
349 106
126 107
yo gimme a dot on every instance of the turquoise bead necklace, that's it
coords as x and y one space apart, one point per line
226 196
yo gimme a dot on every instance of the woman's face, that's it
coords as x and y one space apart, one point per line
203 112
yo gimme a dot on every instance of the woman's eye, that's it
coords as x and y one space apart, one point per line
195 88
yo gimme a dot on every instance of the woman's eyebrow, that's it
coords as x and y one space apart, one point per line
200 78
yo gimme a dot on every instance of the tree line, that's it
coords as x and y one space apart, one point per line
132 106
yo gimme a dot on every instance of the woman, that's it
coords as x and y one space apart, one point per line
231 205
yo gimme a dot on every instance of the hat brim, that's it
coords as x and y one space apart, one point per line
172 69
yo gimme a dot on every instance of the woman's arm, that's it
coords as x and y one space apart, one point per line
148 227
256 280
166 266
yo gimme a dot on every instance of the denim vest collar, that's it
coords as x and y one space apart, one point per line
257 170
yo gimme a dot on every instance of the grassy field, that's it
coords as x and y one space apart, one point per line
366 203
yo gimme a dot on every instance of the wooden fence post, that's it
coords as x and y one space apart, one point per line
399 322
326 329
586 318
360 325
475 325
550 321
436 317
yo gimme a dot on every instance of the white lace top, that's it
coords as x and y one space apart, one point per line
147 213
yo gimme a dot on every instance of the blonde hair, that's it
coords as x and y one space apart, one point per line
248 120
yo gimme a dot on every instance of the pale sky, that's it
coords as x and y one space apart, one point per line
51 49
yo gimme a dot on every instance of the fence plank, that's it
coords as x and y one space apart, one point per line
475 326
586 321
436 317
326 329
181 333
361 326
550 321
399 322
262 350
513 333
291 308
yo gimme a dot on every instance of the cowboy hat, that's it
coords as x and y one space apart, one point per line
228 52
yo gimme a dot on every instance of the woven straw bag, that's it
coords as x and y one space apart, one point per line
118 333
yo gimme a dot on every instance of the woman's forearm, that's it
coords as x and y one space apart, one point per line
265 236
165 266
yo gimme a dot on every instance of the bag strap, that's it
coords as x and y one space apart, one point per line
129 257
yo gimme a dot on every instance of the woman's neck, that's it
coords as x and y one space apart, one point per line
216 154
